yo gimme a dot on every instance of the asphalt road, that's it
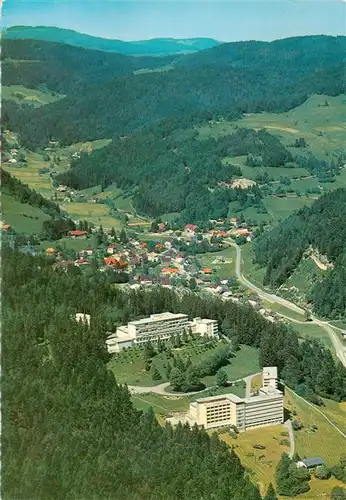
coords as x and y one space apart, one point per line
161 388
271 298
288 424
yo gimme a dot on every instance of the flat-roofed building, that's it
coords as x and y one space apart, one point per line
265 409
161 326
270 376
228 409
204 326
158 326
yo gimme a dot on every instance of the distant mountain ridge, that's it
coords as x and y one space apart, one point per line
153 47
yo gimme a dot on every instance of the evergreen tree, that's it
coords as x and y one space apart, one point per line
270 494
156 375
123 236
221 378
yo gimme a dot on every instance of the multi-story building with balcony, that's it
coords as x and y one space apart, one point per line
158 326
244 413
266 408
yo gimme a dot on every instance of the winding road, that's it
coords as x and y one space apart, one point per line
161 389
340 349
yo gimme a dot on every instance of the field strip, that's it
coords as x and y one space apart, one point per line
319 411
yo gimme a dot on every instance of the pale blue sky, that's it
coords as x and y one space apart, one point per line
224 20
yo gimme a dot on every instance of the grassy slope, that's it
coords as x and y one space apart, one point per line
21 94
96 213
326 442
21 216
299 283
308 120
131 369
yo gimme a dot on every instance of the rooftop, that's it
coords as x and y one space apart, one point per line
270 371
158 317
313 461
213 399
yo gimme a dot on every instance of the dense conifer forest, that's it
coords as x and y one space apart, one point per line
65 69
229 80
174 171
323 227
69 431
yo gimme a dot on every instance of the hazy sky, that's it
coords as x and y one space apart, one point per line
224 20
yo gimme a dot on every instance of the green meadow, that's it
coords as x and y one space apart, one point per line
34 97
22 217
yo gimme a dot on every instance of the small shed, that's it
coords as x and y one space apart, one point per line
310 463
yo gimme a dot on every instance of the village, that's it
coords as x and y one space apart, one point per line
201 261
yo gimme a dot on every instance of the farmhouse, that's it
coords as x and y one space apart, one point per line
207 270
77 233
310 463
158 326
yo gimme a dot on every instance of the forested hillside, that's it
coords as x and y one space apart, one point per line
227 80
24 194
52 228
174 171
65 410
323 227
154 47
66 69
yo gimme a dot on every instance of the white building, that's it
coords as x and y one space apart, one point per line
270 376
84 318
230 410
204 326
158 326
244 413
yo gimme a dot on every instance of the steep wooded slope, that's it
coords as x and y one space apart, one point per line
323 227
64 68
226 80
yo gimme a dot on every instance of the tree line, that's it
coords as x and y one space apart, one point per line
68 429
321 226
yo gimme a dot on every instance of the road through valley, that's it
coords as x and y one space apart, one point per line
271 298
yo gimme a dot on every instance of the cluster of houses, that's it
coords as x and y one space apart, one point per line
162 262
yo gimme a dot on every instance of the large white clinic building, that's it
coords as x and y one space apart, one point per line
158 326
267 408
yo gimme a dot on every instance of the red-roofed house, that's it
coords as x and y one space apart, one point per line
111 261
169 270
207 270
81 261
191 228
77 233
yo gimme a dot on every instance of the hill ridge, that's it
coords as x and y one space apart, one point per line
154 46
